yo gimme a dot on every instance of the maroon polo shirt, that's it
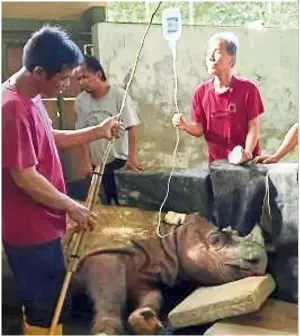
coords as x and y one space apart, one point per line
27 141
225 116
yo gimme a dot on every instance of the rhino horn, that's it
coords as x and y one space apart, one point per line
256 235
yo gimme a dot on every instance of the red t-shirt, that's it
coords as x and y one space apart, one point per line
27 141
225 116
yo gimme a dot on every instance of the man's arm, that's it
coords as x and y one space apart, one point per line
65 139
254 109
131 120
132 162
289 142
40 189
190 127
252 136
43 192
73 138
193 127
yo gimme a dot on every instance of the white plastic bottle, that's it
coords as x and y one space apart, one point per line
171 24
236 155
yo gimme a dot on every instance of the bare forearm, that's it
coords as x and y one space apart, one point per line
190 127
193 129
40 189
251 141
65 139
288 143
132 142
252 136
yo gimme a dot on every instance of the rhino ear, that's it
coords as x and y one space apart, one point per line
174 218
230 230
226 229
256 235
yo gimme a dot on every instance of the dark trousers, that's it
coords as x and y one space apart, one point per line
108 191
79 189
39 273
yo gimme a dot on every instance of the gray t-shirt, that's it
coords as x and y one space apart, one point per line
91 112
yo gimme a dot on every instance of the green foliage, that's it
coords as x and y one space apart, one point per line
230 14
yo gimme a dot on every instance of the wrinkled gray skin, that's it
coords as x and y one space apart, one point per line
195 252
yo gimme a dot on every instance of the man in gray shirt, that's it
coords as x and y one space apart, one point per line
95 103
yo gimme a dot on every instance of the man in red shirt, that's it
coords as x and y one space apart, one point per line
225 108
34 203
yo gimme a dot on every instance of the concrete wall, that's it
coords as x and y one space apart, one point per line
269 57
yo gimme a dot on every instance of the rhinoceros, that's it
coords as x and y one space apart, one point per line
196 252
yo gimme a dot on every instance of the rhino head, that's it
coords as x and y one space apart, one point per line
221 255
247 253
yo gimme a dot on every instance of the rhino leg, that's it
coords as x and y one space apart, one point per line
144 319
104 276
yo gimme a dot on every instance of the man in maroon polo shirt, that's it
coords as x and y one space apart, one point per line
225 108
34 202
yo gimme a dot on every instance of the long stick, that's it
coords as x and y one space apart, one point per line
92 197
78 246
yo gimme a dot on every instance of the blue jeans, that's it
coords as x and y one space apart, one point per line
39 273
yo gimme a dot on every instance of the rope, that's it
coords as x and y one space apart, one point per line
158 231
136 60
79 238
111 142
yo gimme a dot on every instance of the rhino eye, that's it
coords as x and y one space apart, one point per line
217 240
253 260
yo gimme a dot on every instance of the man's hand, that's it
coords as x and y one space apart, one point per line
133 164
245 156
111 128
179 121
265 159
83 218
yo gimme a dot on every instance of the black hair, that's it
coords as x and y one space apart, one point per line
92 64
52 49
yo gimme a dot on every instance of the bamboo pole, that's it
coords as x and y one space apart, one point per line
79 243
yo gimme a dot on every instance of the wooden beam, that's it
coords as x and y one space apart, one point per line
30 25
47 10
